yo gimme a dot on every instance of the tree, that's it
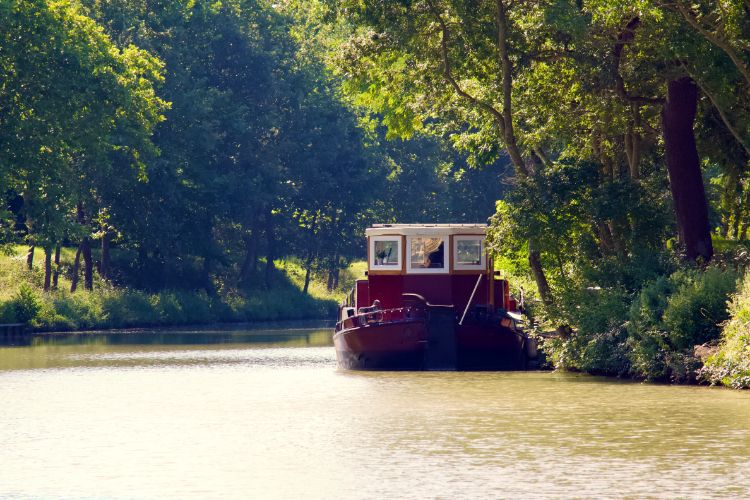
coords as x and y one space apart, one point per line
70 97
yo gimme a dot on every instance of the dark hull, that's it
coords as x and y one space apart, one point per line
481 346
382 346
407 345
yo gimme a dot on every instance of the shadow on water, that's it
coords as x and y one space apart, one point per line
288 333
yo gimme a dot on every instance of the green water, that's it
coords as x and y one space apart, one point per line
267 415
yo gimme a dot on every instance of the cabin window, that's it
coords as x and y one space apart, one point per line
385 253
469 252
427 255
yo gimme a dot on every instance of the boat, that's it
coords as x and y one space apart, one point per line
431 300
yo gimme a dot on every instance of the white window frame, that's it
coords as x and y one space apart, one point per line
382 267
429 270
482 266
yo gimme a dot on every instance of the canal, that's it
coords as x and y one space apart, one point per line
257 414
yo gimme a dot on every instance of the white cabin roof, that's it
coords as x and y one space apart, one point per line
416 229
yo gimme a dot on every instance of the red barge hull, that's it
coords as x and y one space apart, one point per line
397 345
432 341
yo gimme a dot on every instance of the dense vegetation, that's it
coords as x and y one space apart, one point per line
628 125
198 140
731 364
197 144
107 306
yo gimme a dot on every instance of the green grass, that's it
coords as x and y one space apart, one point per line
107 306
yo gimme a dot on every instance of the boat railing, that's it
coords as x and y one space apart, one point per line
382 316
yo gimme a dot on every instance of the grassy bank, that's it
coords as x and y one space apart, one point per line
108 306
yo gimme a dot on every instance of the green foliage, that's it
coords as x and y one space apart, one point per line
649 334
694 315
7 313
730 366
599 344
648 308
26 305
671 316
109 307
565 210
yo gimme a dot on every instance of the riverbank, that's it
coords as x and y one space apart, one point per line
108 307
692 326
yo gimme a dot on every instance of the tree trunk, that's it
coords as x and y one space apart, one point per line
308 264
609 168
746 214
85 250
329 282
142 266
509 135
47 268
737 213
30 257
633 141
206 275
29 231
250 264
605 238
333 274
617 240
247 263
256 250
76 265
56 273
88 264
727 198
104 271
541 280
542 156
683 163
270 254
336 277
311 253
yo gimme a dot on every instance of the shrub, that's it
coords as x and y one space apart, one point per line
26 304
731 364
695 313
598 346
7 313
647 310
649 335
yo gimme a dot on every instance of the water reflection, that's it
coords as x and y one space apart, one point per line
277 420
150 348
286 331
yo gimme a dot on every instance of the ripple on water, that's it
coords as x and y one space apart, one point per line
271 421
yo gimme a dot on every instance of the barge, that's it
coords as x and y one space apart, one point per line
430 300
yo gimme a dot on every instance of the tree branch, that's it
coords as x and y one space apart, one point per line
502 49
691 19
723 117
714 39
449 76
624 38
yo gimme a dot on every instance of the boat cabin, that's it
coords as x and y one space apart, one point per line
446 264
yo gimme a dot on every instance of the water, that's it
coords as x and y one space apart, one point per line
269 416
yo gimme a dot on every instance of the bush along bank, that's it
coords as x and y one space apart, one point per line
730 364
106 307
662 332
